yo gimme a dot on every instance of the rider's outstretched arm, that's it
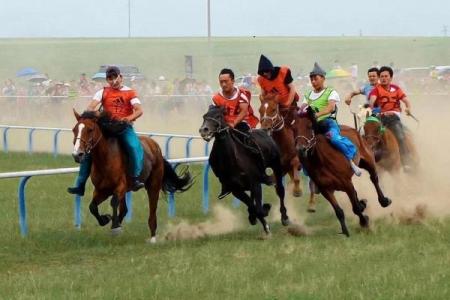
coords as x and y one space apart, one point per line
348 99
408 105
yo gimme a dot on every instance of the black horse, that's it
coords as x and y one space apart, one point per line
240 160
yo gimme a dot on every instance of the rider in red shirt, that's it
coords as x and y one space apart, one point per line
122 104
238 112
236 101
387 98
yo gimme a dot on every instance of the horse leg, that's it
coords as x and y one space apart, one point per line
115 226
93 208
370 167
329 195
358 206
123 209
312 200
279 188
295 177
153 197
262 211
241 195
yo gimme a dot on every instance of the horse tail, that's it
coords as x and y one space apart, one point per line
172 182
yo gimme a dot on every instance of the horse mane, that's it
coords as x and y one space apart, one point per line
87 114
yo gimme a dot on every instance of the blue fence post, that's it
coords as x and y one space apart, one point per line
22 206
129 203
30 140
205 197
77 212
167 147
188 147
55 142
5 139
206 149
171 208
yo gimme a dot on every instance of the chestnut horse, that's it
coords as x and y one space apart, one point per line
277 122
109 172
330 170
384 144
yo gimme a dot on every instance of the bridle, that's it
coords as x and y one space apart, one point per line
277 120
219 128
310 142
89 145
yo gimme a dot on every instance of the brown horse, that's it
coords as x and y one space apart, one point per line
109 172
330 170
384 144
278 123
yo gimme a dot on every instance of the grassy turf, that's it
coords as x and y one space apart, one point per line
58 262
64 59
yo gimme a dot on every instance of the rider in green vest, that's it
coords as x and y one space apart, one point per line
323 100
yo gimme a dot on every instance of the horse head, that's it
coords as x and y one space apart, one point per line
373 132
270 113
305 129
86 133
213 122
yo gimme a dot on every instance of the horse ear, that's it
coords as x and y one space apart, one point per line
77 116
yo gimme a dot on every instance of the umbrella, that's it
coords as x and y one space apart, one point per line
99 77
338 73
26 72
37 78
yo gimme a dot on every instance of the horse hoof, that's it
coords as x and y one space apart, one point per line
385 202
266 208
116 231
104 219
345 233
285 222
152 240
267 229
297 194
364 222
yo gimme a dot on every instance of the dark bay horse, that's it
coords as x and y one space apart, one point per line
109 172
330 170
239 160
273 120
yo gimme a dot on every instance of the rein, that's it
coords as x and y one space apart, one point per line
277 120
310 142
89 145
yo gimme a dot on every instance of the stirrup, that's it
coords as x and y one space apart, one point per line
223 194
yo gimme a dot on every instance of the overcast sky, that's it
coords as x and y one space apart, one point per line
161 18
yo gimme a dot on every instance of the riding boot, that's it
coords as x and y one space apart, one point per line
83 175
136 184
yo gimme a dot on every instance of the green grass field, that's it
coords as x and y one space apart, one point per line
65 59
58 262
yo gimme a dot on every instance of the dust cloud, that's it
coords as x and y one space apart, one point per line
426 194
223 221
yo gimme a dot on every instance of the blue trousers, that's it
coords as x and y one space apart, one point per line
130 141
333 133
